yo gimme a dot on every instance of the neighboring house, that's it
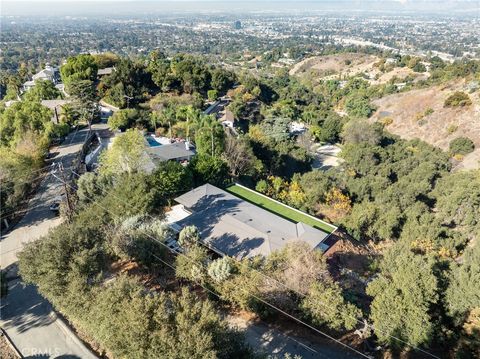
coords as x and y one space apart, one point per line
105 71
56 107
218 106
49 73
391 61
237 228
177 151
105 112
296 127
181 151
10 103
227 119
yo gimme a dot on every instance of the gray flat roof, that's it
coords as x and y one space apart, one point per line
105 71
51 104
170 151
240 229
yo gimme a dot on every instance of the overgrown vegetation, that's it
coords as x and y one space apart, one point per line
397 195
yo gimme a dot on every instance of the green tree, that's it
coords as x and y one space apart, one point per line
461 146
330 130
208 169
403 295
127 154
209 136
188 237
193 265
357 131
359 106
462 294
458 200
78 68
325 304
212 95
123 119
222 80
83 91
220 269
169 179
24 117
43 90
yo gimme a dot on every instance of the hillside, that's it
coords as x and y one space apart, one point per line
351 64
412 117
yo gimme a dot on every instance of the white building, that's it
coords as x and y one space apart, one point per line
49 73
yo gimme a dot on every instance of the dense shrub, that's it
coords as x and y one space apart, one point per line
461 146
458 99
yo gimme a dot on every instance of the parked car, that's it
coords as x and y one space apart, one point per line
57 140
55 206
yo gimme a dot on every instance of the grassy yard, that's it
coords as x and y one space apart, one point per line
278 208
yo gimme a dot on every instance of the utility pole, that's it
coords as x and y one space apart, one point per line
67 192
212 139
128 100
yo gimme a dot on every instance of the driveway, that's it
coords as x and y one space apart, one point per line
26 316
325 157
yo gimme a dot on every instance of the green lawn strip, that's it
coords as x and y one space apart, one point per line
277 208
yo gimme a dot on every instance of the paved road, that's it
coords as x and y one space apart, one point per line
26 316
39 219
275 342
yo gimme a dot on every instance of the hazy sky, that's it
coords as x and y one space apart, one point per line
152 7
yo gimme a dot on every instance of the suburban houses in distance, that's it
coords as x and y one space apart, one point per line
233 226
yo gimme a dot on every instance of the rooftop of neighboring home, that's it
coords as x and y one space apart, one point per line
49 73
52 104
227 116
105 71
240 229
172 151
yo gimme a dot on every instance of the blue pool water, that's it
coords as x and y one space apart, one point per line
151 141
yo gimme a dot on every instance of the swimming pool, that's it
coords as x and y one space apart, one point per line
152 142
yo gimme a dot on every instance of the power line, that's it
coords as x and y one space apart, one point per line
199 263
371 326
219 297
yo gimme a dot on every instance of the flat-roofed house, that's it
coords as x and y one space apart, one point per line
237 228
181 151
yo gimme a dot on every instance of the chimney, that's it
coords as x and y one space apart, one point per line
187 144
